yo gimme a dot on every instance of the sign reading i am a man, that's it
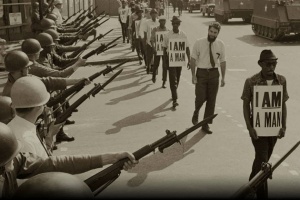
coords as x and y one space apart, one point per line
267 110
177 49
159 37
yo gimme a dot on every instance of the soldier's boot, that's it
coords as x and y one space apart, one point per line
61 136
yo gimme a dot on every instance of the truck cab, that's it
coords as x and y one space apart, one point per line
194 5
207 7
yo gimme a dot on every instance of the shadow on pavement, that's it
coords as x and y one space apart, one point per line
129 74
160 161
138 118
132 95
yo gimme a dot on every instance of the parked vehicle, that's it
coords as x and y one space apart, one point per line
276 19
207 7
228 9
194 5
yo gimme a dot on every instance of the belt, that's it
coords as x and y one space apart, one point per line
208 69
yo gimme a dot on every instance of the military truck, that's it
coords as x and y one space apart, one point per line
228 9
194 5
274 19
207 7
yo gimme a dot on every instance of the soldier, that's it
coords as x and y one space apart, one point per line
7 113
175 71
29 95
16 63
33 48
263 146
36 26
66 186
62 49
49 57
57 9
161 28
15 164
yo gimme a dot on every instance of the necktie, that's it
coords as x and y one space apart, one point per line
212 61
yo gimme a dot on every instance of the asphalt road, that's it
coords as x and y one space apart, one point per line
132 112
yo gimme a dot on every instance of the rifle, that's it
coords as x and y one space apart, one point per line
93 18
83 47
81 14
87 26
97 88
100 49
98 182
94 26
90 12
65 21
261 176
78 86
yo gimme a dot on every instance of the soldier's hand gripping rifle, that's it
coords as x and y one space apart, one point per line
60 98
100 49
96 89
65 21
262 176
83 47
104 178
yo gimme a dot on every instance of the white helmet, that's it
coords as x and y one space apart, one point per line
29 92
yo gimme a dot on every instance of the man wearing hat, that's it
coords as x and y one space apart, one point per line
175 71
263 146
136 23
149 25
159 32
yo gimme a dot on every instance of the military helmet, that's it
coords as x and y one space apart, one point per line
31 46
53 33
52 16
29 91
16 60
54 185
47 23
7 113
9 145
45 39
57 2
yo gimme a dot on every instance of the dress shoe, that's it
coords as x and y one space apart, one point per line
163 85
195 119
206 129
62 136
54 147
175 104
68 122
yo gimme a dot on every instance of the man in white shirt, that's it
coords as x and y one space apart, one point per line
123 18
207 56
150 25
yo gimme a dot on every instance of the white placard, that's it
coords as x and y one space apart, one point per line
159 37
177 49
267 110
15 18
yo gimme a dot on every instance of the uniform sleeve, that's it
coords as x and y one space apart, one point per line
247 92
42 71
63 62
53 84
28 165
62 49
195 52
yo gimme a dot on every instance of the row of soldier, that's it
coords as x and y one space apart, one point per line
37 73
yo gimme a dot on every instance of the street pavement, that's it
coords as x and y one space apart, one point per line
132 112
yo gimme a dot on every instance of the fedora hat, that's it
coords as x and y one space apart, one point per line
175 19
267 54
